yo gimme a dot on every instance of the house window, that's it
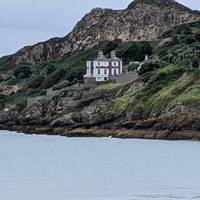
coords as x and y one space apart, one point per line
115 71
99 71
98 63
105 71
105 78
115 63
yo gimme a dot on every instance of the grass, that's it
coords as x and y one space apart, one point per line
109 86
119 105
17 99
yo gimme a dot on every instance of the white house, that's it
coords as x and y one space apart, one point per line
102 68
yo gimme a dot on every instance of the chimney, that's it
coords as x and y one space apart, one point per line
100 54
113 54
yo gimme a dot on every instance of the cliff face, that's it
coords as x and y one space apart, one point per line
142 20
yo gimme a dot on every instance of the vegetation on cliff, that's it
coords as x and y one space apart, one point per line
171 85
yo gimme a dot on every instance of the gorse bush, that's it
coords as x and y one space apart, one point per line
54 78
23 72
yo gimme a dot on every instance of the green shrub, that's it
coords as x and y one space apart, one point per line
23 72
12 81
134 51
133 67
21 105
54 78
150 65
42 93
2 102
36 82
61 85
195 62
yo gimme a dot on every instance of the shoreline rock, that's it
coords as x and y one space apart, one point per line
114 133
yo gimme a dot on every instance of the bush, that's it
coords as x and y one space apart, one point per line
134 51
1 79
31 91
36 82
22 105
23 72
149 66
12 81
54 78
61 85
197 37
50 68
2 102
184 29
42 93
195 62
133 67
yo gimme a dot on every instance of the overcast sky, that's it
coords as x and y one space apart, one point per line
25 22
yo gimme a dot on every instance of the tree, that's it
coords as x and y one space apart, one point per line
23 72
195 62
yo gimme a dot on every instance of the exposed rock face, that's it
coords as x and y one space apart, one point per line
142 20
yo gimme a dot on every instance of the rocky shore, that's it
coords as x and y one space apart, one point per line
83 111
112 133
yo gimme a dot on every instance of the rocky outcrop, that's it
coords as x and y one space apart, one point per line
142 20
89 112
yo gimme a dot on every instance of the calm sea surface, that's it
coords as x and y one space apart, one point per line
59 168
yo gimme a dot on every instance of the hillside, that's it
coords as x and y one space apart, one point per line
142 20
166 96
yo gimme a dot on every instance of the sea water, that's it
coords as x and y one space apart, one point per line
58 168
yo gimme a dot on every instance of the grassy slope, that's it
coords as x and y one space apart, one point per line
175 85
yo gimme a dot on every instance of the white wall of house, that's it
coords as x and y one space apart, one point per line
89 70
101 63
101 74
121 67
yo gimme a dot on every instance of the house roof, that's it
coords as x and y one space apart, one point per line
102 59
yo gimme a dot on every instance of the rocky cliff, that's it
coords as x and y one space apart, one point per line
142 20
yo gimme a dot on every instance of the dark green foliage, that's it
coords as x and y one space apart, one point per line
49 68
21 105
134 51
133 67
36 82
109 46
150 65
195 62
184 29
197 37
23 72
2 102
31 92
1 79
12 81
54 78
18 99
42 93
61 85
